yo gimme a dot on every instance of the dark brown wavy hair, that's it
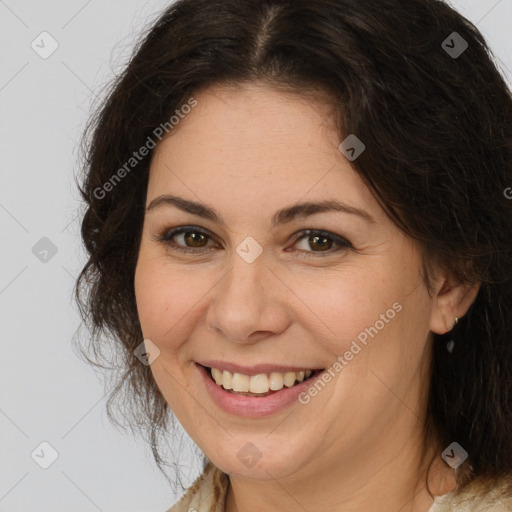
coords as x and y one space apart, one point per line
438 134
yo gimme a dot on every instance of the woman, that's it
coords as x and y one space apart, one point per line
299 234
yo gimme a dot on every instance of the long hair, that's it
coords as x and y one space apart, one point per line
417 83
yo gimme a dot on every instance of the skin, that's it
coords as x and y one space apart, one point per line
356 446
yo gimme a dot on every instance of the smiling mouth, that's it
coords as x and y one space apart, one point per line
259 385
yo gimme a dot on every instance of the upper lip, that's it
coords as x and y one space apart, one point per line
252 370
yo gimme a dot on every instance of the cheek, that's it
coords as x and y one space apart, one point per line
159 296
341 304
372 321
148 294
169 300
162 308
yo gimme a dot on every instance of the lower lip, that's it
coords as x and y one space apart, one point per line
253 407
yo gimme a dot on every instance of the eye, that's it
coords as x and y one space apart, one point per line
322 240
188 234
194 240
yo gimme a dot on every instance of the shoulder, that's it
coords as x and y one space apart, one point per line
474 499
206 494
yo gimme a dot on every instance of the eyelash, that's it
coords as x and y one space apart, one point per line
165 238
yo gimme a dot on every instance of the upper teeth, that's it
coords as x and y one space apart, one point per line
260 383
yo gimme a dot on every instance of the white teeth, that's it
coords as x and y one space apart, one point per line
260 383
276 381
289 379
240 382
227 379
217 375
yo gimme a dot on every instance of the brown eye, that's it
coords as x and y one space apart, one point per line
189 239
194 238
186 239
322 242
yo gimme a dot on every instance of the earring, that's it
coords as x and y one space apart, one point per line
455 323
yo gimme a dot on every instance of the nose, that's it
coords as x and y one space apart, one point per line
249 303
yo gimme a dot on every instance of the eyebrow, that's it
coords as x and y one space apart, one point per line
282 216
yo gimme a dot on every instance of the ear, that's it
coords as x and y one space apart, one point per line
441 478
451 299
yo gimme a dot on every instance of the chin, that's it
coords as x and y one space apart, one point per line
260 464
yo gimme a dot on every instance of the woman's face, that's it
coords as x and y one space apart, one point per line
309 289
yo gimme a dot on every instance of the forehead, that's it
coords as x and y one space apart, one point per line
256 147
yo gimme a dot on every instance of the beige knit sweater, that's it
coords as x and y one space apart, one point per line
208 494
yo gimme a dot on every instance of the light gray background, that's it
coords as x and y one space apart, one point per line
46 393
